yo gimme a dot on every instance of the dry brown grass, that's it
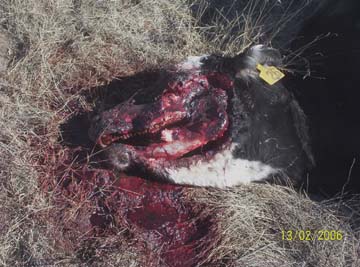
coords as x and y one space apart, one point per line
253 217
58 48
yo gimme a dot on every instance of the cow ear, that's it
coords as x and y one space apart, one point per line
245 64
264 55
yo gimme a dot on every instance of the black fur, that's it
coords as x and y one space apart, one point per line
267 123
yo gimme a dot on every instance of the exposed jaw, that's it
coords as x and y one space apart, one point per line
189 119
129 120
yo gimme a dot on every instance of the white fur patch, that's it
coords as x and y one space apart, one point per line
222 171
256 50
192 63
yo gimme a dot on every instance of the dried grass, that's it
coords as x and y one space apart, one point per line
253 217
59 48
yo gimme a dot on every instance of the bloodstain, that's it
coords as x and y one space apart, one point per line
166 223
167 228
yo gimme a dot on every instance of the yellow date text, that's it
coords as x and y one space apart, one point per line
312 235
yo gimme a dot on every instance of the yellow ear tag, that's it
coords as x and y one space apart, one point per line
270 74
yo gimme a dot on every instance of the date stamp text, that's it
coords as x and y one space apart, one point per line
312 235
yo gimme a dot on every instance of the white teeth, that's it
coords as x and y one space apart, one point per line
127 136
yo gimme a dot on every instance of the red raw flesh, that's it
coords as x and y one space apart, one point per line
185 139
126 120
169 228
169 109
